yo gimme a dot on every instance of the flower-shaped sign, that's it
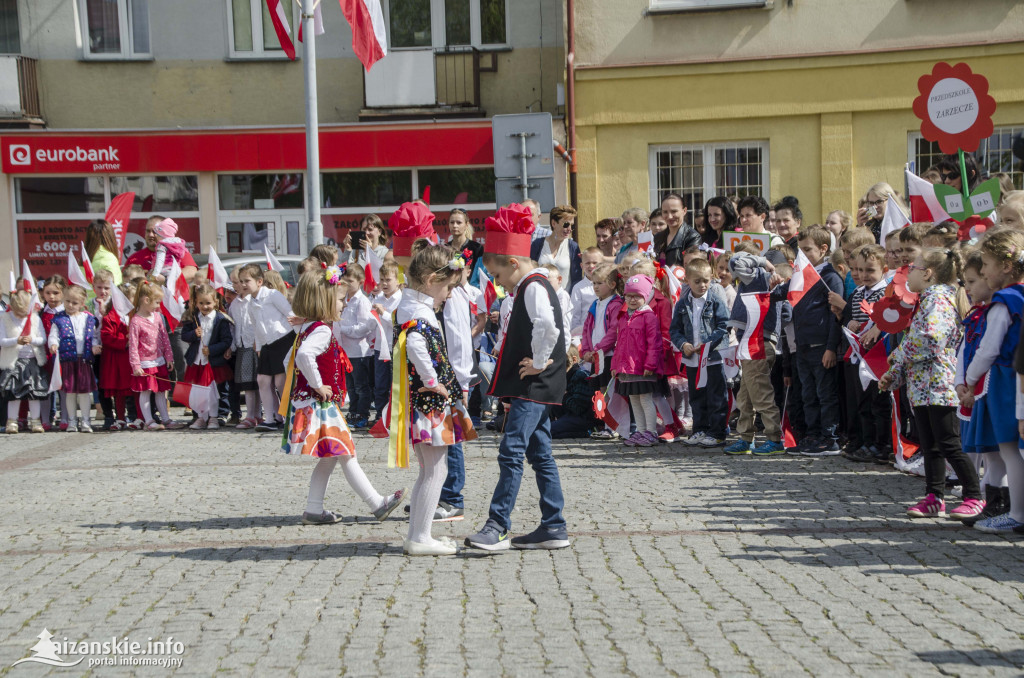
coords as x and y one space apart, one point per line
954 107
889 313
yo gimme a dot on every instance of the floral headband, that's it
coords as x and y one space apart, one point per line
333 274
457 263
1016 255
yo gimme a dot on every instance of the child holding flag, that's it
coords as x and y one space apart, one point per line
22 357
207 331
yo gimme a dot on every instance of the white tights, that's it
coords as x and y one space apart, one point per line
1011 456
252 404
644 413
83 402
357 480
161 405
995 470
14 408
427 490
270 386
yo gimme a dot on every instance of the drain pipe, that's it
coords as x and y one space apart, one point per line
570 95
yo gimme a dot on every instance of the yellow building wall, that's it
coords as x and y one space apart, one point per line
835 125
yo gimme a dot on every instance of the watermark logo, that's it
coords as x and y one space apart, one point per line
165 653
20 154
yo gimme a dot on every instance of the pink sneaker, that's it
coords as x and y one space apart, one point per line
929 507
247 423
969 509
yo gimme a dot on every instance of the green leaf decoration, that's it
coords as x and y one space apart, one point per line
982 202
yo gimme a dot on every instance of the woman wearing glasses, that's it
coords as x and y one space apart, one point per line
872 212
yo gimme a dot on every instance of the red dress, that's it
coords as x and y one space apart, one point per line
115 371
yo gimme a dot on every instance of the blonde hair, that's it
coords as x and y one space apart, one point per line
856 237
884 190
102 275
697 267
309 265
274 281
431 261
76 292
133 272
315 298
388 269
148 290
1013 202
1006 245
19 302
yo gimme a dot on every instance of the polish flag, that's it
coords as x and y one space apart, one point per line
215 271
173 303
675 287
645 241
373 264
902 448
702 365
87 263
617 411
176 282
924 204
369 41
804 278
272 263
29 284
318 22
279 17
730 363
75 276
893 220
751 346
121 304
118 215
874 364
56 380
193 396
490 294
381 343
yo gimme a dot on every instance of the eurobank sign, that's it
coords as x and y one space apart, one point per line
342 147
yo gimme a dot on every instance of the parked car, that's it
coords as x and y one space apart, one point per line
289 261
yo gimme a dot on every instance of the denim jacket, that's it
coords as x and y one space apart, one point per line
714 321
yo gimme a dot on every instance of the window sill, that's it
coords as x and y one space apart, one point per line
237 58
102 58
710 6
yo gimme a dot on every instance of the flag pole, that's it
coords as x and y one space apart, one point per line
314 227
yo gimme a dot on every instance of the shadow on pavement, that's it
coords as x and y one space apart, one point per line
370 549
975 657
223 523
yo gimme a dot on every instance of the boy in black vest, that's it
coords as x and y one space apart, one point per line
530 376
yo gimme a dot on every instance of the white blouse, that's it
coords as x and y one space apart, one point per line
269 311
560 259
418 306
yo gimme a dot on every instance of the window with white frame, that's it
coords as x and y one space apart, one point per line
447 23
115 29
699 172
251 33
698 5
993 155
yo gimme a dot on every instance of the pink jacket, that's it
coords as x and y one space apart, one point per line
148 341
611 324
638 348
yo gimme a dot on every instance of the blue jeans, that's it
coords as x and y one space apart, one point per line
451 493
358 385
381 384
820 391
527 433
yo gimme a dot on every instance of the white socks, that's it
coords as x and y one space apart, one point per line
353 474
85 407
252 404
161 406
14 408
1015 478
268 396
995 470
426 491
644 413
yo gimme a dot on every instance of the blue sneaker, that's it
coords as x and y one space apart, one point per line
998 524
542 538
770 448
490 538
739 447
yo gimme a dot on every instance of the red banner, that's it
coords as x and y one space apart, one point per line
45 244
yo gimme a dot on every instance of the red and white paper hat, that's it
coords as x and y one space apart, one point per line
509 231
412 221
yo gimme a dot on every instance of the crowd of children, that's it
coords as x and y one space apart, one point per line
828 342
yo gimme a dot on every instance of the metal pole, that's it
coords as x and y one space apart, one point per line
314 227
522 165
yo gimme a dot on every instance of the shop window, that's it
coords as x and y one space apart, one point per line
160 193
441 23
458 186
252 33
366 189
10 33
260 191
993 155
60 195
115 29
700 171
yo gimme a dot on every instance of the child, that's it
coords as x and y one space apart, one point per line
268 310
599 331
893 260
724 277
976 436
315 426
115 370
436 416
575 417
925 361
149 353
755 394
583 296
53 298
910 238
564 302
22 357
531 374
207 331
355 332
849 242
1002 256
817 341
170 247
102 283
385 303
74 338
246 363
701 318
637 359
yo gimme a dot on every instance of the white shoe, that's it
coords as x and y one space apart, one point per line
85 427
213 425
199 424
437 548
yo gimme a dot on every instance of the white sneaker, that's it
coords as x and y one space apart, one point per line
213 425
85 426
694 439
437 548
199 424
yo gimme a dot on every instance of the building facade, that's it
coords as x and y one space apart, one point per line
194 106
775 97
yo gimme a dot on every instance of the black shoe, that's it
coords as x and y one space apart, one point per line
861 454
881 456
994 505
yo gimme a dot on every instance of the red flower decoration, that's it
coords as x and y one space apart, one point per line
467 254
954 107
898 287
891 315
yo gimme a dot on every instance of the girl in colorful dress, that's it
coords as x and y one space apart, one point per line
427 407
207 331
22 357
75 338
926 362
149 354
314 425
1002 255
115 370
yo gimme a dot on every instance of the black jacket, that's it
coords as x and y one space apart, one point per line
220 340
686 237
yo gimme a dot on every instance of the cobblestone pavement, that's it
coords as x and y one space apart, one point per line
684 562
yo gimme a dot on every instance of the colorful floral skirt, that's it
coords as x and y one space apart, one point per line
317 429
439 428
156 379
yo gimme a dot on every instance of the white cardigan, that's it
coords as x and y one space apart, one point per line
10 330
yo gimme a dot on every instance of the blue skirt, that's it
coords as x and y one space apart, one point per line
996 413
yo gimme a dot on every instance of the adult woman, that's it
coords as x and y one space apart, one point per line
101 246
876 201
788 219
949 168
634 222
559 248
670 244
462 234
720 215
